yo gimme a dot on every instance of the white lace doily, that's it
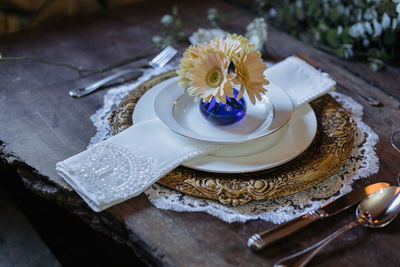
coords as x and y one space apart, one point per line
362 163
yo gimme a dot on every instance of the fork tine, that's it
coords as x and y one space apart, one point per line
167 53
171 53
158 61
154 62
163 57
167 58
161 54
164 62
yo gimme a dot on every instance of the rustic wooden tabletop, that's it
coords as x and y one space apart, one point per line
41 125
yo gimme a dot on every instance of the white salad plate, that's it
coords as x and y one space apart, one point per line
180 113
296 137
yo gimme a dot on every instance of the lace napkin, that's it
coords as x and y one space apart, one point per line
125 165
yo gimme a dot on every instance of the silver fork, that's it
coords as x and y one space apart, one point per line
157 62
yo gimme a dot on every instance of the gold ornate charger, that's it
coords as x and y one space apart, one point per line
329 151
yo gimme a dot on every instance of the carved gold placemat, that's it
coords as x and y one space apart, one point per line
329 151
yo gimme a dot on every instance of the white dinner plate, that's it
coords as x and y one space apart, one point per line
180 113
296 139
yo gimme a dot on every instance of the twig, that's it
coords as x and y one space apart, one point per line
81 69
124 61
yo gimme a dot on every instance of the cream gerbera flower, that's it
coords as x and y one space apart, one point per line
231 45
250 73
209 77
203 72
190 55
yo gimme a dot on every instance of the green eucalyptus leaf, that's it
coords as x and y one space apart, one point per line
316 34
286 14
346 38
340 52
299 13
175 11
373 53
376 64
376 53
323 26
181 36
313 7
333 15
332 38
280 16
389 37
388 7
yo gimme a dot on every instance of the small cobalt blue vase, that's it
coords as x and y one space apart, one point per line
223 114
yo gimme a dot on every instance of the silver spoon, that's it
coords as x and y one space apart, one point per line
376 210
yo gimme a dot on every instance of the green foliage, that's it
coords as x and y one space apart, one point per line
332 38
388 7
172 30
214 18
389 37
362 28
346 38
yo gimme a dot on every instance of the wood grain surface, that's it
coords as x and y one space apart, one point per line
41 125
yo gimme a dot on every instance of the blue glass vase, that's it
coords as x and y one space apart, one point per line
223 114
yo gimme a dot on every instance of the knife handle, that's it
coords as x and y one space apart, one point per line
87 89
260 240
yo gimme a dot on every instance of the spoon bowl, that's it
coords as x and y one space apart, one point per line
376 210
380 208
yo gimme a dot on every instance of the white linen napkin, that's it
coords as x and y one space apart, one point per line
300 80
128 163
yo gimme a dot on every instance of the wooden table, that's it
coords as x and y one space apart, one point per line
41 125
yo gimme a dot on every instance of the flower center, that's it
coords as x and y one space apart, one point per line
214 78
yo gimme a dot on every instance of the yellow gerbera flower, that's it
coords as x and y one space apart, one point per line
209 77
203 71
231 45
250 73
191 54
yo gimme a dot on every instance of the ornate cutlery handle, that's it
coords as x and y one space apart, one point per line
260 240
301 261
87 89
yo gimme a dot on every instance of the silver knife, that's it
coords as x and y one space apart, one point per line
87 89
260 240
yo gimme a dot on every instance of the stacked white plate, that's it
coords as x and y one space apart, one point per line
271 133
